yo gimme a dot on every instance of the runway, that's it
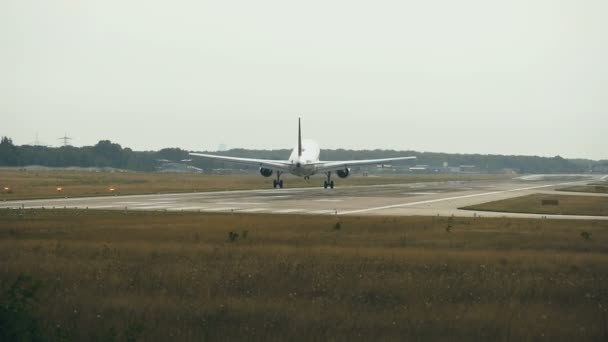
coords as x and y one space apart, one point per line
439 198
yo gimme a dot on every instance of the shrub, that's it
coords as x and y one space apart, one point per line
586 235
16 322
232 236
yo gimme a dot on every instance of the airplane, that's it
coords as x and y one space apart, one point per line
303 161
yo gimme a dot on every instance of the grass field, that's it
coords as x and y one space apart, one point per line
600 188
177 276
44 184
568 205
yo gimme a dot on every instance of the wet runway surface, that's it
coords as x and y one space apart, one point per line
441 198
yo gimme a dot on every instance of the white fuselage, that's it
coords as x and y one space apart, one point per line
306 164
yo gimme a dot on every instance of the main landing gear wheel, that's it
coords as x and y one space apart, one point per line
328 183
278 182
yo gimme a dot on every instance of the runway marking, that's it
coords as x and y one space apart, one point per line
145 204
217 209
104 206
272 196
420 193
329 200
321 212
252 210
150 207
186 208
286 211
409 204
241 203
160 202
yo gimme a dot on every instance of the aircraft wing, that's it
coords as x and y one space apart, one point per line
342 164
272 164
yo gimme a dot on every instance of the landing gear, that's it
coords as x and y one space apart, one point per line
278 182
328 183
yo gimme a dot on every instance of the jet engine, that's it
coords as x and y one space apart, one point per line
266 172
343 173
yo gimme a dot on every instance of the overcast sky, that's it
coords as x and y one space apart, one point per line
469 76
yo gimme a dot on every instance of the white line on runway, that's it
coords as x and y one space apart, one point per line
217 209
145 204
321 212
266 197
150 207
241 203
252 210
286 211
185 208
329 200
420 193
152 201
104 206
409 204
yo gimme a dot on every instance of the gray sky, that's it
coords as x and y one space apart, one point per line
468 76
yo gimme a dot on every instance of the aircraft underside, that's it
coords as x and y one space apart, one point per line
303 172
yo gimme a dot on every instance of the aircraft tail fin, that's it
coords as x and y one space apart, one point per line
299 139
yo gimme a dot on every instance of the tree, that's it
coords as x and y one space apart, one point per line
9 155
108 154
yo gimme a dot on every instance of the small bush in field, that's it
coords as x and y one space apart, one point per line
450 225
16 321
232 236
337 226
244 234
586 235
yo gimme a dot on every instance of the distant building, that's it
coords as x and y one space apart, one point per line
171 167
508 171
420 168
468 168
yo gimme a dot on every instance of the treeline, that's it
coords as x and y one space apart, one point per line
108 154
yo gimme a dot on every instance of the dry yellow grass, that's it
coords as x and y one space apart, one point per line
567 205
43 184
163 276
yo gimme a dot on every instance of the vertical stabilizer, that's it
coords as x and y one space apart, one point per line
299 139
